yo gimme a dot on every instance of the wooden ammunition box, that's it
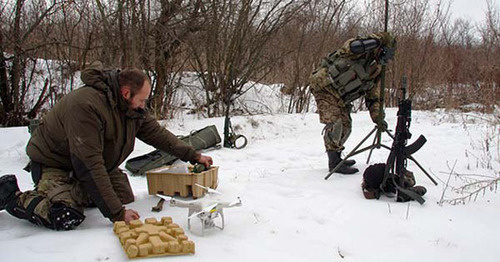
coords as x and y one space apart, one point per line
153 238
162 180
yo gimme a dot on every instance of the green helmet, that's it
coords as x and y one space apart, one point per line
387 39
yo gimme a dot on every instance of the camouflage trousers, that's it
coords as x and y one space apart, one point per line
335 114
58 187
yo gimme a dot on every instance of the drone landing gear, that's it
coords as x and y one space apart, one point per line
207 220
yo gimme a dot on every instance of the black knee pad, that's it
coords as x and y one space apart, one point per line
14 209
64 217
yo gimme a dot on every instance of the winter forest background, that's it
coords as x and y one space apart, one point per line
252 59
232 44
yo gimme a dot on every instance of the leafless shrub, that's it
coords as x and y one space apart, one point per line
473 186
450 64
470 186
229 52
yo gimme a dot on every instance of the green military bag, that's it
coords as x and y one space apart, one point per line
201 139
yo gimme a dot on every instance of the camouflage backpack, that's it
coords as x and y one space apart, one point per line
352 70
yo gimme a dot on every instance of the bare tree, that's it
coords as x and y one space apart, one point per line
177 20
14 79
488 73
416 26
230 43
230 51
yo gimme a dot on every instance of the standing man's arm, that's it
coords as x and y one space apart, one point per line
373 102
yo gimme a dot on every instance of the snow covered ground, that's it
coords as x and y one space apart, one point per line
289 212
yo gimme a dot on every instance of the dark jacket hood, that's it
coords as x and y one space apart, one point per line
106 80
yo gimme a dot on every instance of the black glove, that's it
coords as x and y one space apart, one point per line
382 125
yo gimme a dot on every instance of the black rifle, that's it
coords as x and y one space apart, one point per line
400 152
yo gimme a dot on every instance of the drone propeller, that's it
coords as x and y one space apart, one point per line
235 203
208 189
167 198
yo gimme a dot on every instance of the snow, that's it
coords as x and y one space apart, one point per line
289 212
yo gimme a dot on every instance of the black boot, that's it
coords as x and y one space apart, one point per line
334 159
8 189
349 162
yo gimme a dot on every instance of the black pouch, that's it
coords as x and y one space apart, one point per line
36 171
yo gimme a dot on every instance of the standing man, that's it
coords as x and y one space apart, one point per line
343 76
77 149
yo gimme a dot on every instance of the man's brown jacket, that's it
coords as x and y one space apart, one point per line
91 131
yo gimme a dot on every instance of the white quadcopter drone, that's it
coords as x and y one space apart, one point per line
206 209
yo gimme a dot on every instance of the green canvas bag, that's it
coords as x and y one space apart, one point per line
200 139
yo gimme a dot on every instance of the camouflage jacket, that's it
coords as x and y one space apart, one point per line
354 75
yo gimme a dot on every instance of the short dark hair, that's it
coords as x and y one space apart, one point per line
133 78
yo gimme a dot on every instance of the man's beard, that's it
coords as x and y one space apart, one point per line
139 110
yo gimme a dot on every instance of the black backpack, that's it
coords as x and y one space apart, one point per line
373 178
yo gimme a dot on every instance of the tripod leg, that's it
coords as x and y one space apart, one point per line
375 144
423 170
389 134
360 143
350 154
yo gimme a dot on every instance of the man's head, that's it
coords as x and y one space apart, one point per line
135 87
388 45
386 39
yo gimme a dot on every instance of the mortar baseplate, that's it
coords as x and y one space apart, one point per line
153 238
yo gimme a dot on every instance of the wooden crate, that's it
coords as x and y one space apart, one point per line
183 184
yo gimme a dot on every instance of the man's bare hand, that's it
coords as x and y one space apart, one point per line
205 160
130 215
